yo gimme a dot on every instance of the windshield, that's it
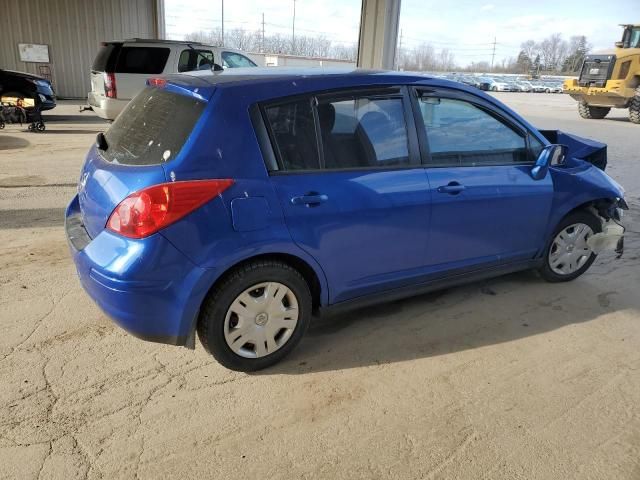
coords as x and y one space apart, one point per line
152 128
635 38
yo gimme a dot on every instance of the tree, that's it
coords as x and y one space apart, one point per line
578 48
523 62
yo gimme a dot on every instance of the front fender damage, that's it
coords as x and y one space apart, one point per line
612 235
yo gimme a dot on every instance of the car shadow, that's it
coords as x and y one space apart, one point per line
71 131
31 218
496 311
8 142
80 118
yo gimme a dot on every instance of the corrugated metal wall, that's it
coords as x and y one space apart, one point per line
73 29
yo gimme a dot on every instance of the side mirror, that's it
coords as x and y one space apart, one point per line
619 44
550 155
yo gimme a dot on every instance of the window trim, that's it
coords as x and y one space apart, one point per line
478 102
381 91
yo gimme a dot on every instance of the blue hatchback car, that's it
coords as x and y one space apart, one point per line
237 204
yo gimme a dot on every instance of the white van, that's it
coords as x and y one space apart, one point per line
120 69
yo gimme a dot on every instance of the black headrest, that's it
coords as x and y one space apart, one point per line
327 116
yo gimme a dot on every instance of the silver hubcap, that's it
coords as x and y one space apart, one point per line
569 250
261 320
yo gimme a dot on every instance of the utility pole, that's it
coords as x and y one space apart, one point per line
493 55
399 52
262 44
222 1
293 30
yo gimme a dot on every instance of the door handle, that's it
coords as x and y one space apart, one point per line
453 188
310 199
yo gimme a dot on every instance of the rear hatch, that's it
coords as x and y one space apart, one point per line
105 62
150 132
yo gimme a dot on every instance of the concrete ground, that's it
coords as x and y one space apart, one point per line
511 378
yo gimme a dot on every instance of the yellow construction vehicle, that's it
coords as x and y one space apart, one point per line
610 79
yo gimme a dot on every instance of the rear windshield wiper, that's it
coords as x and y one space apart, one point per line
101 142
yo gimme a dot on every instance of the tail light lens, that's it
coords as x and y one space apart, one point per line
145 212
110 89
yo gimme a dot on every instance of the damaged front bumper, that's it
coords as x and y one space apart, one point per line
612 235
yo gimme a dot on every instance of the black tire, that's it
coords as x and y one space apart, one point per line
494 89
214 309
592 113
581 216
634 107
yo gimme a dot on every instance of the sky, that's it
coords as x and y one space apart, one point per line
466 27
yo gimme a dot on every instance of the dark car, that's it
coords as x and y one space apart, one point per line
26 85
235 204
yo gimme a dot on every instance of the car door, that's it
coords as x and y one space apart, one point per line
486 207
351 186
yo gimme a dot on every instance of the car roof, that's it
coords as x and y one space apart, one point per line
294 74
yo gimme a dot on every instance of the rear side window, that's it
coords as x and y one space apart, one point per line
152 128
145 60
363 132
294 135
106 58
193 59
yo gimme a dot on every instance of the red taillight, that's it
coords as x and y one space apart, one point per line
147 211
156 82
110 89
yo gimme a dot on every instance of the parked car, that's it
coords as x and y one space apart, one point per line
553 87
290 192
120 69
538 87
21 85
500 86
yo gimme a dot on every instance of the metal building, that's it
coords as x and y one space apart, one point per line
60 38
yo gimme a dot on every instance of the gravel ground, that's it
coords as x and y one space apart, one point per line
505 379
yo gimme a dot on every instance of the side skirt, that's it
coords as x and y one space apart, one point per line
426 287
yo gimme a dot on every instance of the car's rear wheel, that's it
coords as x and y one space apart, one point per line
256 316
568 254
587 111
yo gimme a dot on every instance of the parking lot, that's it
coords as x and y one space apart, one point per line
505 379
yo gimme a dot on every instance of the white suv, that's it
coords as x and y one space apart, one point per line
120 69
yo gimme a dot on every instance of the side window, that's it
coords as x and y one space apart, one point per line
293 133
462 134
536 147
192 59
235 60
363 132
147 60
184 63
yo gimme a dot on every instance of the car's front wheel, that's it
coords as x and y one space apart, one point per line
256 316
568 255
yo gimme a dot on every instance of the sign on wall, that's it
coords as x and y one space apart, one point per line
32 52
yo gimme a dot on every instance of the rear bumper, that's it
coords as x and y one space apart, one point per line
107 108
146 286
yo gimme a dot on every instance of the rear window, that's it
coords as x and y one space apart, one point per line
105 60
145 60
152 128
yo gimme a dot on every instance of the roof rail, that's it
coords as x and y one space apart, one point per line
155 40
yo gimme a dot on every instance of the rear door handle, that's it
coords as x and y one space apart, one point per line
453 188
310 199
